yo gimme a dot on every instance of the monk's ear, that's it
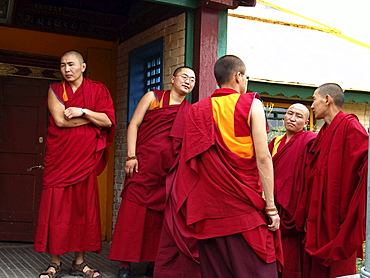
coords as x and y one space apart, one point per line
237 76
83 67
328 99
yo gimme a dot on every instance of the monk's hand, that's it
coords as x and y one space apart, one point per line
72 112
274 222
131 167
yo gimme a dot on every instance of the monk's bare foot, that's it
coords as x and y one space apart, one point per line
84 268
87 269
51 271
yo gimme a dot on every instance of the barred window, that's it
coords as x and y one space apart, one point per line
275 117
153 73
145 72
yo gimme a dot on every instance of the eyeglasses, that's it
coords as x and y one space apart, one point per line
184 77
246 76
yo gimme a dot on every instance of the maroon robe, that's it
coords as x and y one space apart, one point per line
69 217
178 255
218 192
334 200
289 178
158 144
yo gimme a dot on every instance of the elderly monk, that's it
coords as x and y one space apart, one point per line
82 125
333 204
154 139
288 155
224 161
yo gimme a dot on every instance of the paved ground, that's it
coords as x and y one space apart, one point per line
19 260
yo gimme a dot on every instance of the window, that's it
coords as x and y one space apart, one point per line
153 73
145 72
275 117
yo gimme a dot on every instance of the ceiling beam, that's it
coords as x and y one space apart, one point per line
191 4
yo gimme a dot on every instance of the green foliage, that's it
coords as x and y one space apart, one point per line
359 262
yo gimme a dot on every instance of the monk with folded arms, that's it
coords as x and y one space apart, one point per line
224 167
82 126
288 155
333 207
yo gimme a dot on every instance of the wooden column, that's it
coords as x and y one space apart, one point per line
206 39
205 50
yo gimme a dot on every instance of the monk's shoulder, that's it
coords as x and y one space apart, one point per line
97 84
353 122
201 103
309 134
58 86
98 88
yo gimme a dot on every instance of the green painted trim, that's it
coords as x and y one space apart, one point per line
302 92
189 44
357 96
189 38
191 4
286 90
222 33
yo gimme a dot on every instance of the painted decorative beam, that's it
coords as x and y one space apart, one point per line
191 4
218 4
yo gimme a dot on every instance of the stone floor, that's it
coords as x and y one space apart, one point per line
19 260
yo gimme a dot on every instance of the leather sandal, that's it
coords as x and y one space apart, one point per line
50 274
77 270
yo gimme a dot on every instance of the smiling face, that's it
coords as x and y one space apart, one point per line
296 118
72 68
184 81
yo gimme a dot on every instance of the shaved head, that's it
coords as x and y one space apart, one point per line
334 90
72 67
226 67
296 118
302 107
78 55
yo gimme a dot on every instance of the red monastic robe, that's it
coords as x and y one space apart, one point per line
69 217
218 192
334 200
139 222
289 178
178 255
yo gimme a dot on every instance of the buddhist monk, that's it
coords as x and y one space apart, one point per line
154 139
224 167
332 209
288 156
81 128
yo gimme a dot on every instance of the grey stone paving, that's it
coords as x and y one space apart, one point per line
19 260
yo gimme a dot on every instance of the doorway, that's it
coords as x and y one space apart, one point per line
23 123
